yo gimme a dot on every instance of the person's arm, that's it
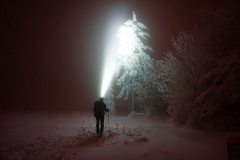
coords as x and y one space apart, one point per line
94 108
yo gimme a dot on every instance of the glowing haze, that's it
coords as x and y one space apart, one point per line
125 35
122 45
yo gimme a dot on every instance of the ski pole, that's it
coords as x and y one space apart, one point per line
108 121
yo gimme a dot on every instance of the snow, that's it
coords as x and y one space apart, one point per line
71 136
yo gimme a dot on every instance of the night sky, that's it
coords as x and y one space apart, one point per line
52 51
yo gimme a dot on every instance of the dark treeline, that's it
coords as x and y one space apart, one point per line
197 83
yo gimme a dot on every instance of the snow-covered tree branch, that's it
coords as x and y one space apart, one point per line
200 77
133 58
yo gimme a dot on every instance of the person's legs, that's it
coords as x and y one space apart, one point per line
97 124
102 124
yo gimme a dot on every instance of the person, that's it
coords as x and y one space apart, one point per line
99 111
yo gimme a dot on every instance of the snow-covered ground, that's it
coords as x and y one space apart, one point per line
61 136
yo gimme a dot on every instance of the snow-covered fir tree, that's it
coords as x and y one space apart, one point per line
134 61
109 100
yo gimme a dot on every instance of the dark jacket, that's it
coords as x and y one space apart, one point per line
99 108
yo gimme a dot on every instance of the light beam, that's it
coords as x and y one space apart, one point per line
109 65
125 39
107 74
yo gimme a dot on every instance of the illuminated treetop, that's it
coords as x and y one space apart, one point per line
132 54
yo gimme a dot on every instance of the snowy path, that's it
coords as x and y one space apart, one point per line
71 136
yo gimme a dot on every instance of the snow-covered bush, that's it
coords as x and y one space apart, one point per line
200 78
150 99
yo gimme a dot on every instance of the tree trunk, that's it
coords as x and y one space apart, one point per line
132 100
